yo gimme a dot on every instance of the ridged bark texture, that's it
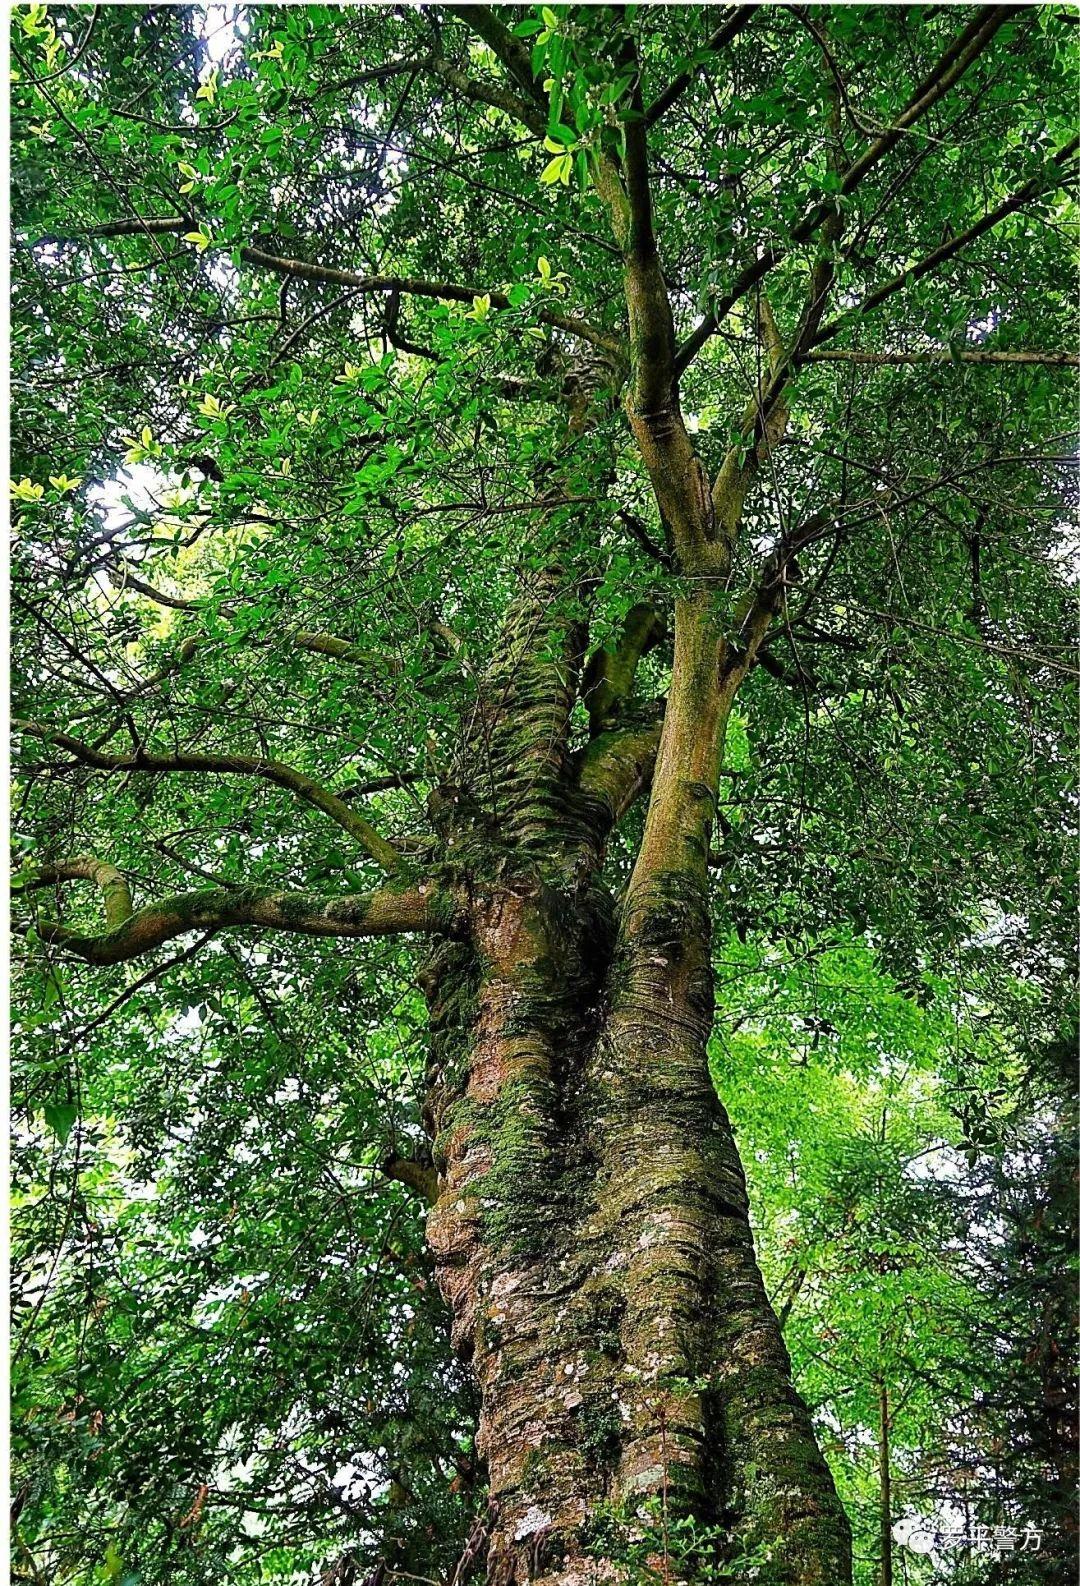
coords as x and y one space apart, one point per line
591 1233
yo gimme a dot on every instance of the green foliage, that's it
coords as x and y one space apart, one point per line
653 1547
231 1361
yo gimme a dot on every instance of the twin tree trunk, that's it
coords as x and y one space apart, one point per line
591 1233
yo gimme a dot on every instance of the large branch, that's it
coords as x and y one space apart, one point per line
765 420
608 679
115 892
977 355
962 53
529 114
329 275
305 787
413 286
423 908
652 403
616 767
506 47
327 644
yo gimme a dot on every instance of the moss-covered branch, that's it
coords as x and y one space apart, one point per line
609 676
947 355
305 787
507 48
419 1177
617 766
115 892
422 908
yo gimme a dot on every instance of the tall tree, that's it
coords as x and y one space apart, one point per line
437 433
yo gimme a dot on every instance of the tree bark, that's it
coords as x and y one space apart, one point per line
591 1233
885 1478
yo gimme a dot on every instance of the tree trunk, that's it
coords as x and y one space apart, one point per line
885 1475
591 1234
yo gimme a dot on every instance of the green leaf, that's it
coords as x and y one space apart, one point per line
556 170
561 136
60 1118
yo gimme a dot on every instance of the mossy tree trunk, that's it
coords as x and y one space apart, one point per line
591 1231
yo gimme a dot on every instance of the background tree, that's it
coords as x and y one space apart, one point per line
583 491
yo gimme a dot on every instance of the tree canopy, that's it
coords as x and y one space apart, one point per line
322 331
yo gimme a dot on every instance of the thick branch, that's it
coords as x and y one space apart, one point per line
328 275
652 327
327 644
304 787
506 47
529 114
1053 360
810 335
962 53
617 766
652 404
609 676
419 1177
423 908
115 892
413 286
778 573
152 225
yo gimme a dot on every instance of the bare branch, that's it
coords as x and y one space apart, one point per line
1035 188
729 29
76 55
328 275
976 355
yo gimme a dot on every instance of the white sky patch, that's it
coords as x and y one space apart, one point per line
146 489
942 1163
219 30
